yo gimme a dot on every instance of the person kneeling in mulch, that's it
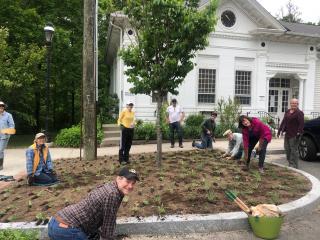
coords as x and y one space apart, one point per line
235 145
207 136
94 216
39 164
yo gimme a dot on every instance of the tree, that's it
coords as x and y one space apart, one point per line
168 35
292 13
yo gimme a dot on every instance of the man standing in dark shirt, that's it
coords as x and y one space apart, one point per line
207 137
292 124
96 213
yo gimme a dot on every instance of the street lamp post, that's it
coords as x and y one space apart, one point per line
48 31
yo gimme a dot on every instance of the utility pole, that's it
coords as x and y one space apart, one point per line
89 83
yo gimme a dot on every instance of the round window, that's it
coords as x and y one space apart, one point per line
228 18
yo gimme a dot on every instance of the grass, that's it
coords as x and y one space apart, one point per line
19 235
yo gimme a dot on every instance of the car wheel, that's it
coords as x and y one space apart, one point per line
307 149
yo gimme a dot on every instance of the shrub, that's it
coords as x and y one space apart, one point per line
19 235
192 132
145 131
194 120
70 137
229 112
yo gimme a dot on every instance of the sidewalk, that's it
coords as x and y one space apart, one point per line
14 163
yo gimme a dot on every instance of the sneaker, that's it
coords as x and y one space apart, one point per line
261 170
180 146
172 146
193 143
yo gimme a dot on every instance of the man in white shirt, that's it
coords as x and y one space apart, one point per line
235 146
175 116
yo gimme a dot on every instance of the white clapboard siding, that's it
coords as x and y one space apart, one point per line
317 88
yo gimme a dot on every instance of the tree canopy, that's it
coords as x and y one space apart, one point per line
23 54
168 35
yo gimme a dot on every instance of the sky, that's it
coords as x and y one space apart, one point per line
310 9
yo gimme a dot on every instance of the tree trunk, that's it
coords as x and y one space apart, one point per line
88 81
159 131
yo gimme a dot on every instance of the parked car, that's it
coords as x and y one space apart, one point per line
309 145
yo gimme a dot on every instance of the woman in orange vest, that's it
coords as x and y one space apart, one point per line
39 163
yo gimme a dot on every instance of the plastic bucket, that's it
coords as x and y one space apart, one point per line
266 227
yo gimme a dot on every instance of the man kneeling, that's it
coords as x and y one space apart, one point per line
235 146
95 213
39 163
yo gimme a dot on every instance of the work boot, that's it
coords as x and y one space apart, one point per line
1 163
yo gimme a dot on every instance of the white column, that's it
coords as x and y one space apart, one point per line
301 93
267 95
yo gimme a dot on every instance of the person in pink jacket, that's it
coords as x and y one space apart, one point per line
254 131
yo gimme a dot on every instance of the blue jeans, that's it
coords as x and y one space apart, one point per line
56 232
45 178
3 145
206 142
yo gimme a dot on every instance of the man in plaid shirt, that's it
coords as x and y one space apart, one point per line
94 214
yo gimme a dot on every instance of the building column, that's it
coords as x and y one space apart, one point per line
301 93
267 94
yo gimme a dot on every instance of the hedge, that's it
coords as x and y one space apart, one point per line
70 137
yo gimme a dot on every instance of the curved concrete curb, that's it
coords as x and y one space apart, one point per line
198 223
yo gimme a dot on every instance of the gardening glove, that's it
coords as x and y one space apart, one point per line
30 179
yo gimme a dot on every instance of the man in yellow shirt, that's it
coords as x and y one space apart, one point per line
126 123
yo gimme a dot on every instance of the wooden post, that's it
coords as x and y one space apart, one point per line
88 81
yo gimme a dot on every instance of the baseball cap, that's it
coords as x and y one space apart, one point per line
39 135
2 103
130 103
129 174
227 132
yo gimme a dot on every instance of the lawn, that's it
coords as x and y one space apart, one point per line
188 182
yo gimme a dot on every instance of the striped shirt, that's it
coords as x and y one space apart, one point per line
98 210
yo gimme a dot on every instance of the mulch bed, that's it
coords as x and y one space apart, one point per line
189 182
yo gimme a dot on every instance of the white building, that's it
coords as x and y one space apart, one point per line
251 56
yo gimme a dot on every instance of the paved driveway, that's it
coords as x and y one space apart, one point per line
304 228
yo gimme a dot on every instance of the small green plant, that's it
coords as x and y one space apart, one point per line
274 197
12 218
211 196
145 203
157 199
200 166
257 176
161 210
